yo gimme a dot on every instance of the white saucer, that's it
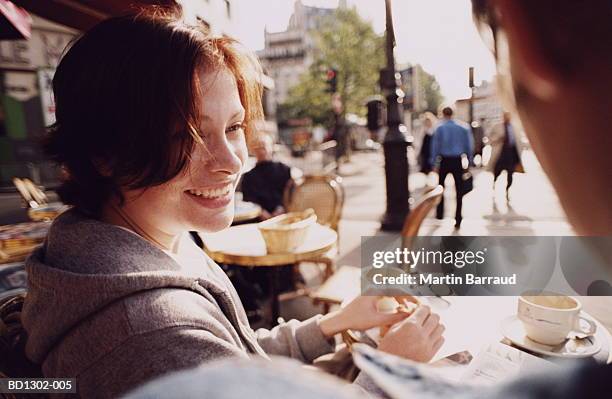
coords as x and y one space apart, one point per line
512 328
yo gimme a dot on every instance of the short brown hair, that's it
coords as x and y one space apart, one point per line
573 32
128 102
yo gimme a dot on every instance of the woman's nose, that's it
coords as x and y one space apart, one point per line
225 157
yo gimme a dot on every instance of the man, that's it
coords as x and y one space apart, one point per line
265 183
505 151
450 142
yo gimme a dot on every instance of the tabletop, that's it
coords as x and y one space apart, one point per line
472 322
245 210
243 245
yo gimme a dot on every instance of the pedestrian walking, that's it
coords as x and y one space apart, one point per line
429 123
450 142
505 153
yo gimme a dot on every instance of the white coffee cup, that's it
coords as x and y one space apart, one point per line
548 317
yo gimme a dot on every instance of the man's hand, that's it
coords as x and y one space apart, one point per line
417 338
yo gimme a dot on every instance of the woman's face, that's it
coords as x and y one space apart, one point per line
201 198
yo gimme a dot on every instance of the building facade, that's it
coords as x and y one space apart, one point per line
26 74
26 99
487 107
288 54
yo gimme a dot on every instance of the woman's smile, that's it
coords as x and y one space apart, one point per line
212 198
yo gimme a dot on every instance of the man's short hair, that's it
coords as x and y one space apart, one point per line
574 32
447 111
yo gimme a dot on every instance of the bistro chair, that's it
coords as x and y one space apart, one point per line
37 194
346 282
37 202
13 362
325 195
414 220
25 194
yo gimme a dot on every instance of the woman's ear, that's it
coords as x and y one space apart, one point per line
530 63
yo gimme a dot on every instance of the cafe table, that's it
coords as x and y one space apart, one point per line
245 211
243 245
472 322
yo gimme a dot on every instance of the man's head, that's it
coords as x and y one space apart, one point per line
447 112
554 59
263 147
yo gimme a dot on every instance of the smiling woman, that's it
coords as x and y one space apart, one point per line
130 112
152 119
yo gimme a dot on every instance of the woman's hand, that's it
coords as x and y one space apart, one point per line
361 314
418 337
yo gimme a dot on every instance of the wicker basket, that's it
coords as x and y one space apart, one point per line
284 233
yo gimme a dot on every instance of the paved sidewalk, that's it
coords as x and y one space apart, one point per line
533 209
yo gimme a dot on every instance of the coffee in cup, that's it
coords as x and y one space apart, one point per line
548 317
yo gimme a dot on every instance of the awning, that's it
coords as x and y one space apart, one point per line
83 14
15 22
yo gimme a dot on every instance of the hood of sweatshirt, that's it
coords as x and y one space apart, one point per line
84 266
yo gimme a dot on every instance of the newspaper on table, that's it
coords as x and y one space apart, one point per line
458 375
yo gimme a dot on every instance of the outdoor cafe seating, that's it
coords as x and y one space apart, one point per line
345 283
243 246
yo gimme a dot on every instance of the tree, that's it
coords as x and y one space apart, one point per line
431 91
349 44
429 96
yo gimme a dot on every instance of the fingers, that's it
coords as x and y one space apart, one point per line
394 318
437 333
437 345
431 323
406 298
420 314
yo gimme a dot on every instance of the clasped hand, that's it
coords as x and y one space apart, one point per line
416 336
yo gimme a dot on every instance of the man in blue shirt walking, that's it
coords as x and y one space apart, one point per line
449 143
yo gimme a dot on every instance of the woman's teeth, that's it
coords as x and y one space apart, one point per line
212 193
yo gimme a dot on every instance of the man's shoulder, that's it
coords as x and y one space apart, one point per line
281 165
461 125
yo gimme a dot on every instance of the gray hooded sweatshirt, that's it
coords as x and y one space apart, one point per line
114 311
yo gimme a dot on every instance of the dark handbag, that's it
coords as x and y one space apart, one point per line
467 182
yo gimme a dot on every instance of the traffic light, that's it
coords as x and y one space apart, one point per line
375 117
332 80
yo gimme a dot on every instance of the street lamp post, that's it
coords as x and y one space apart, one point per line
471 84
396 141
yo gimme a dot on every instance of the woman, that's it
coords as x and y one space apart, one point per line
152 119
505 151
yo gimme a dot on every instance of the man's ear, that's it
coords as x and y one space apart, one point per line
528 57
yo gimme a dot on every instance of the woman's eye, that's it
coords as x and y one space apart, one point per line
235 128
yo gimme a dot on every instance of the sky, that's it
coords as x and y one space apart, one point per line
438 34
